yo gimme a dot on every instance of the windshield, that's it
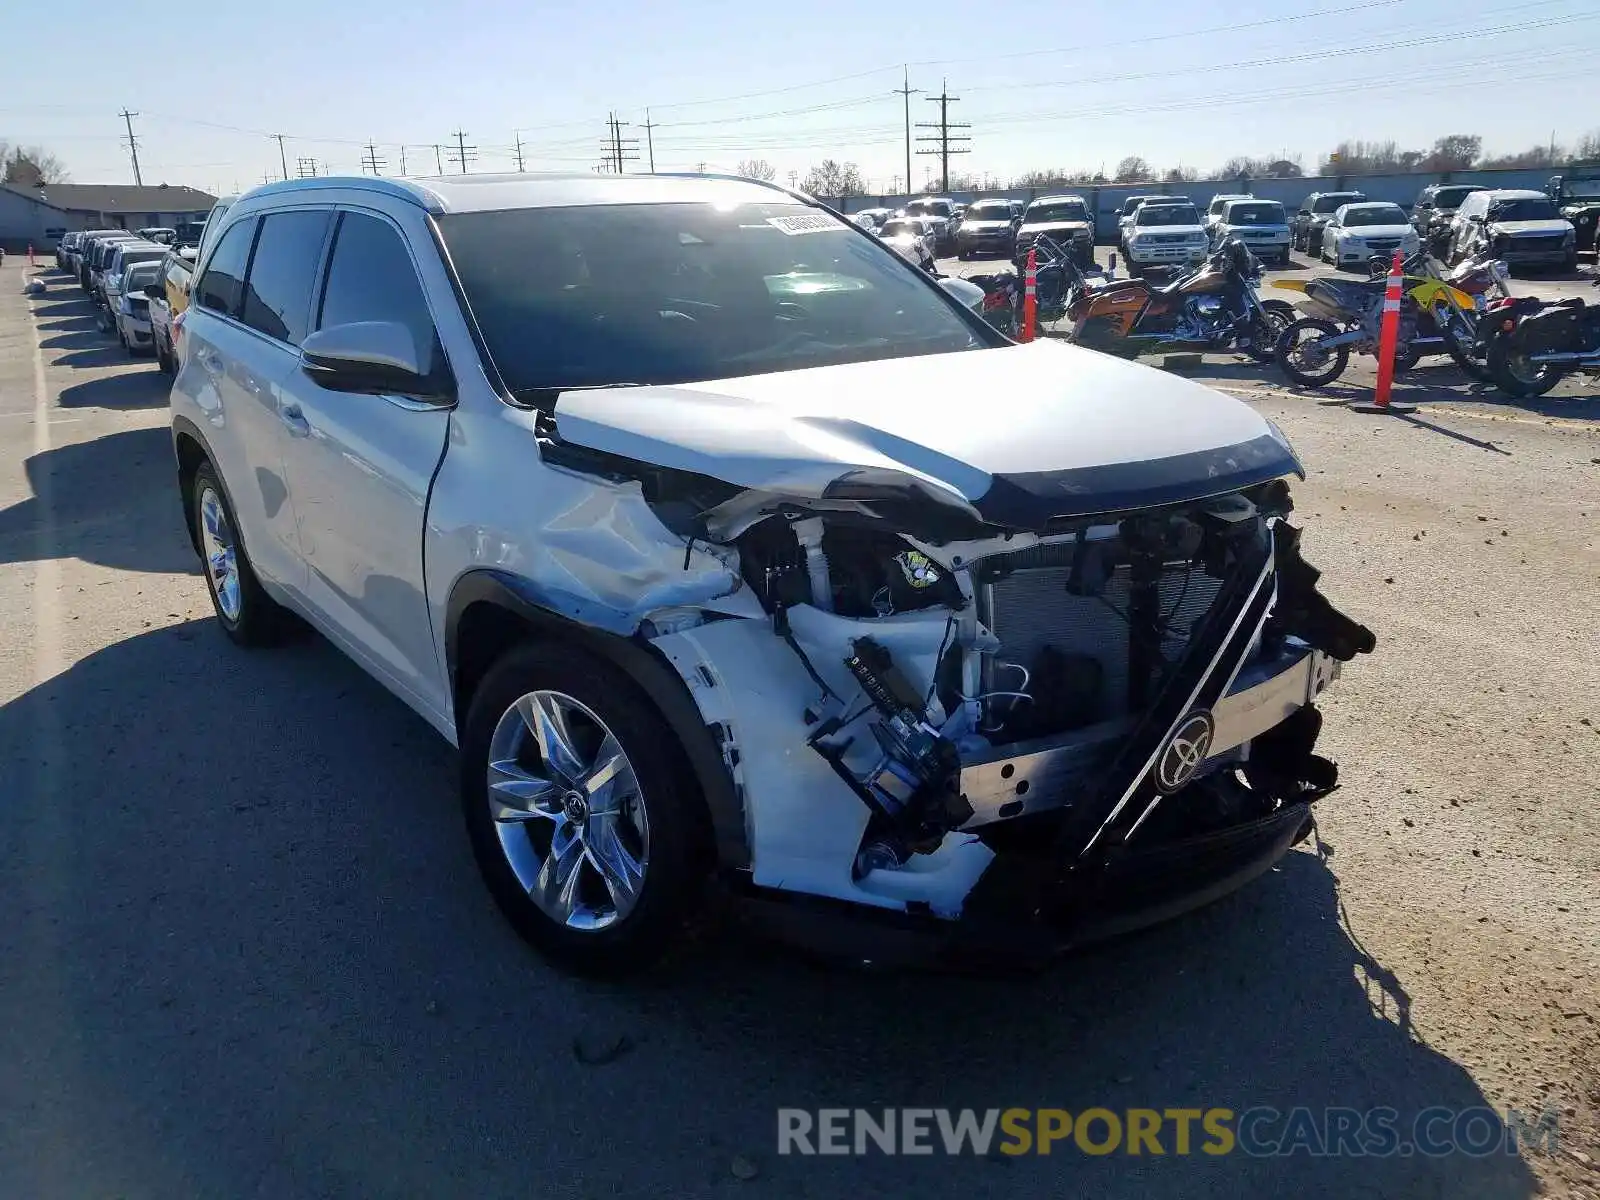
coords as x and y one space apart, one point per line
1449 198
1531 209
1167 214
140 277
1333 201
597 296
988 212
1378 214
1581 189
901 228
1258 212
928 208
1067 210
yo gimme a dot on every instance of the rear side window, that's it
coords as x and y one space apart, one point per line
221 285
277 296
371 278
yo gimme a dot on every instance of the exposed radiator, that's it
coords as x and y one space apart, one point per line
1031 608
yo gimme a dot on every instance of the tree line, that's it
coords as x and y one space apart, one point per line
29 166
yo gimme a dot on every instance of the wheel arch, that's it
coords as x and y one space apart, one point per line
191 449
489 611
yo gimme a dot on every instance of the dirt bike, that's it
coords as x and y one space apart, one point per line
1533 344
1212 307
1438 315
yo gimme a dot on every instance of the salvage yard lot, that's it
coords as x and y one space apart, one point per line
247 953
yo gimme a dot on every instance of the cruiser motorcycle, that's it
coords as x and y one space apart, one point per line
1213 307
1533 344
1439 314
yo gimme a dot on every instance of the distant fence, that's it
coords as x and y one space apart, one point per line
1105 199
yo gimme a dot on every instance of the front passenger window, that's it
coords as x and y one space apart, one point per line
371 278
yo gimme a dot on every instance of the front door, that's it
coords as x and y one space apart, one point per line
360 466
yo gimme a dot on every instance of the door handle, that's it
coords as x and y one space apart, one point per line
295 419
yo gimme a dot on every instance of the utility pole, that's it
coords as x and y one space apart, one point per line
944 138
133 145
619 151
307 168
266 177
437 161
906 90
371 162
650 139
283 159
794 179
402 160
464 153
518 151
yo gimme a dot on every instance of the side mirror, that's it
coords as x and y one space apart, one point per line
371 357
968 293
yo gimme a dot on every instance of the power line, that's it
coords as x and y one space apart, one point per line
371 162
133 145
463 153
944 137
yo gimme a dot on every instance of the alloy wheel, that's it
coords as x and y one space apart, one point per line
221 553
568 811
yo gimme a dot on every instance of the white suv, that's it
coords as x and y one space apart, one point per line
1165 234
664 500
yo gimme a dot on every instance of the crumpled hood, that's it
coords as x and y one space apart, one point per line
1019 435
1378 231
1543 227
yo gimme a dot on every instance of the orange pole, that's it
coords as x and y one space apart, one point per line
1030 296
1389 332
30 255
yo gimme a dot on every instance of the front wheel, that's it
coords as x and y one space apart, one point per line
578 803
1515 375
1303 356
246 613
1461 347
1261 341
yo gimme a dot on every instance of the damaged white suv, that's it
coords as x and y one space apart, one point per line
728 547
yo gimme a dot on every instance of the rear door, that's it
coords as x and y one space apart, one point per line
360 466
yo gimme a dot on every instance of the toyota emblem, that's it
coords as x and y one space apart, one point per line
1185 751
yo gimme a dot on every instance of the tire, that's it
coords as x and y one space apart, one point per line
1462 357
1511 375
1263 345
1319 374
657 846
246 613
163 359
1407 359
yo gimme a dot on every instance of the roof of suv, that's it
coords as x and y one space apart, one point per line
490 193
1515 194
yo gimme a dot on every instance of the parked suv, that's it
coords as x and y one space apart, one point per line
941 213
1435 210
1315 209
1521 228
1164 235
1261 225
177 269
988 227
1066 220
658 497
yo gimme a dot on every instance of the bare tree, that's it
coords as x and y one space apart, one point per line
30 166
834 181
1542 155
757 168
1180 175
1054 177
1454 152
1132 169
1588 146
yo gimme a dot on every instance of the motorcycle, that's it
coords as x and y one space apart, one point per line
1003 291
1211 307
1533 344
1439 314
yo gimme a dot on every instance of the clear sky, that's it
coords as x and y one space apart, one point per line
1042 85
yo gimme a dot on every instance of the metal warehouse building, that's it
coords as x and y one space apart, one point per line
38 216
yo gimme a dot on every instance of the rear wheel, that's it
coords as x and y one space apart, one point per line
1262 341
1303 356
1460 346
582 818
1515 375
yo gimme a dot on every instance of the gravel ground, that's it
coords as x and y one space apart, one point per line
247 953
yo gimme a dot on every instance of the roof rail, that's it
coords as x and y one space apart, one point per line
766 183
399 189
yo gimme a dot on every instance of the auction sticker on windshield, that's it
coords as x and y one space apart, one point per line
803 223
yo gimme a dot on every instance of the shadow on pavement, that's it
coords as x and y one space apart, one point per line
130 389
112 501
246 942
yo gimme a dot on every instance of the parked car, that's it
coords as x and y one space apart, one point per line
1262 225
132 313
677 534
177 270
1576 195
1315 209
93 247
1357 232
989 227
1125 215
871 218
912 238
1066 220
158 233
64 250
100 255
940 212
1164 234
1519 227
122 256
1217 206
187 233
1435 210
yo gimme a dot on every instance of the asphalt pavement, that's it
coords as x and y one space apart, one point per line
246 952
